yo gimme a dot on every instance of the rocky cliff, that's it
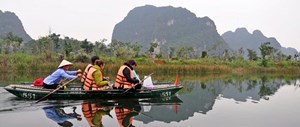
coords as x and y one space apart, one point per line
9 22
169 27
241 38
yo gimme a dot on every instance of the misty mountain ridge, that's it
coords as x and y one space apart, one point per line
241 38
9 22
169 27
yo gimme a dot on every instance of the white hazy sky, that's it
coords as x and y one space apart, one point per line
95 19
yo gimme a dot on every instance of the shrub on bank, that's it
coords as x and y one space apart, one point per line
30 63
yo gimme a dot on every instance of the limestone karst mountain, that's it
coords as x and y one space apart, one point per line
9 22
169 27
241 38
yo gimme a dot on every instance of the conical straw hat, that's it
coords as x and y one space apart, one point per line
64 63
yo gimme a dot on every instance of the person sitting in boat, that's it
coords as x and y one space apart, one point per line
94 79
125 77
53 80
94 113
88 67
58 115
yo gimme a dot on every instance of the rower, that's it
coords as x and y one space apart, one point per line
53 80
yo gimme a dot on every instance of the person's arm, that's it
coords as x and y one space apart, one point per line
68 76
71 72
126 73
98 81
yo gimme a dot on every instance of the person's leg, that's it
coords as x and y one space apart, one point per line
138 86
54 86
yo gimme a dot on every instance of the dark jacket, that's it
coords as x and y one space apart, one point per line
126 73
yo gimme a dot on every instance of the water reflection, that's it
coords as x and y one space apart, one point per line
200 101
124 111
93 112
254 89
99 113
200 96
58 115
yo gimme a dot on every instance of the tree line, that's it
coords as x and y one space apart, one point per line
55 46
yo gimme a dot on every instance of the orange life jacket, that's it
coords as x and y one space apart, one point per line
86 70
121 81
121 113
89 83
89 110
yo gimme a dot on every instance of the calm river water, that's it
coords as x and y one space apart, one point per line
247 102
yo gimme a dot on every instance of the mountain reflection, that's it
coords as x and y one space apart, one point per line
200 97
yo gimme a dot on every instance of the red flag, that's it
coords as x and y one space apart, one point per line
176 80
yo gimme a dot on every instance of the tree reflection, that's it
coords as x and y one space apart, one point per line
203 86
265 89
251 84
200 96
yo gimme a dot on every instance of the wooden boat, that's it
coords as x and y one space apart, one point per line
76 93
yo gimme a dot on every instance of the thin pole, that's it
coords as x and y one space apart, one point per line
43 98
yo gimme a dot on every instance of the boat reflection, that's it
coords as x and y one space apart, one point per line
123 111
126 111
94 112
197 101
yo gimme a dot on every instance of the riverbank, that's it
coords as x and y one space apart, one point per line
203 66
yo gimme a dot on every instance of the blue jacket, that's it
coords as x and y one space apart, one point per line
58 75
51 113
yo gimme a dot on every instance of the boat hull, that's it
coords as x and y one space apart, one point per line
76 93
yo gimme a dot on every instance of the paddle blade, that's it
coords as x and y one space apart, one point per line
176 80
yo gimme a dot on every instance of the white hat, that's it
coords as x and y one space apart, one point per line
64 63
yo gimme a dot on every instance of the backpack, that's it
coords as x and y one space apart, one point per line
38 82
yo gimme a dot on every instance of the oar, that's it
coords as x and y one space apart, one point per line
43 98
137 83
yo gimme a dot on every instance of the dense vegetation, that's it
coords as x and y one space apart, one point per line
45 54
